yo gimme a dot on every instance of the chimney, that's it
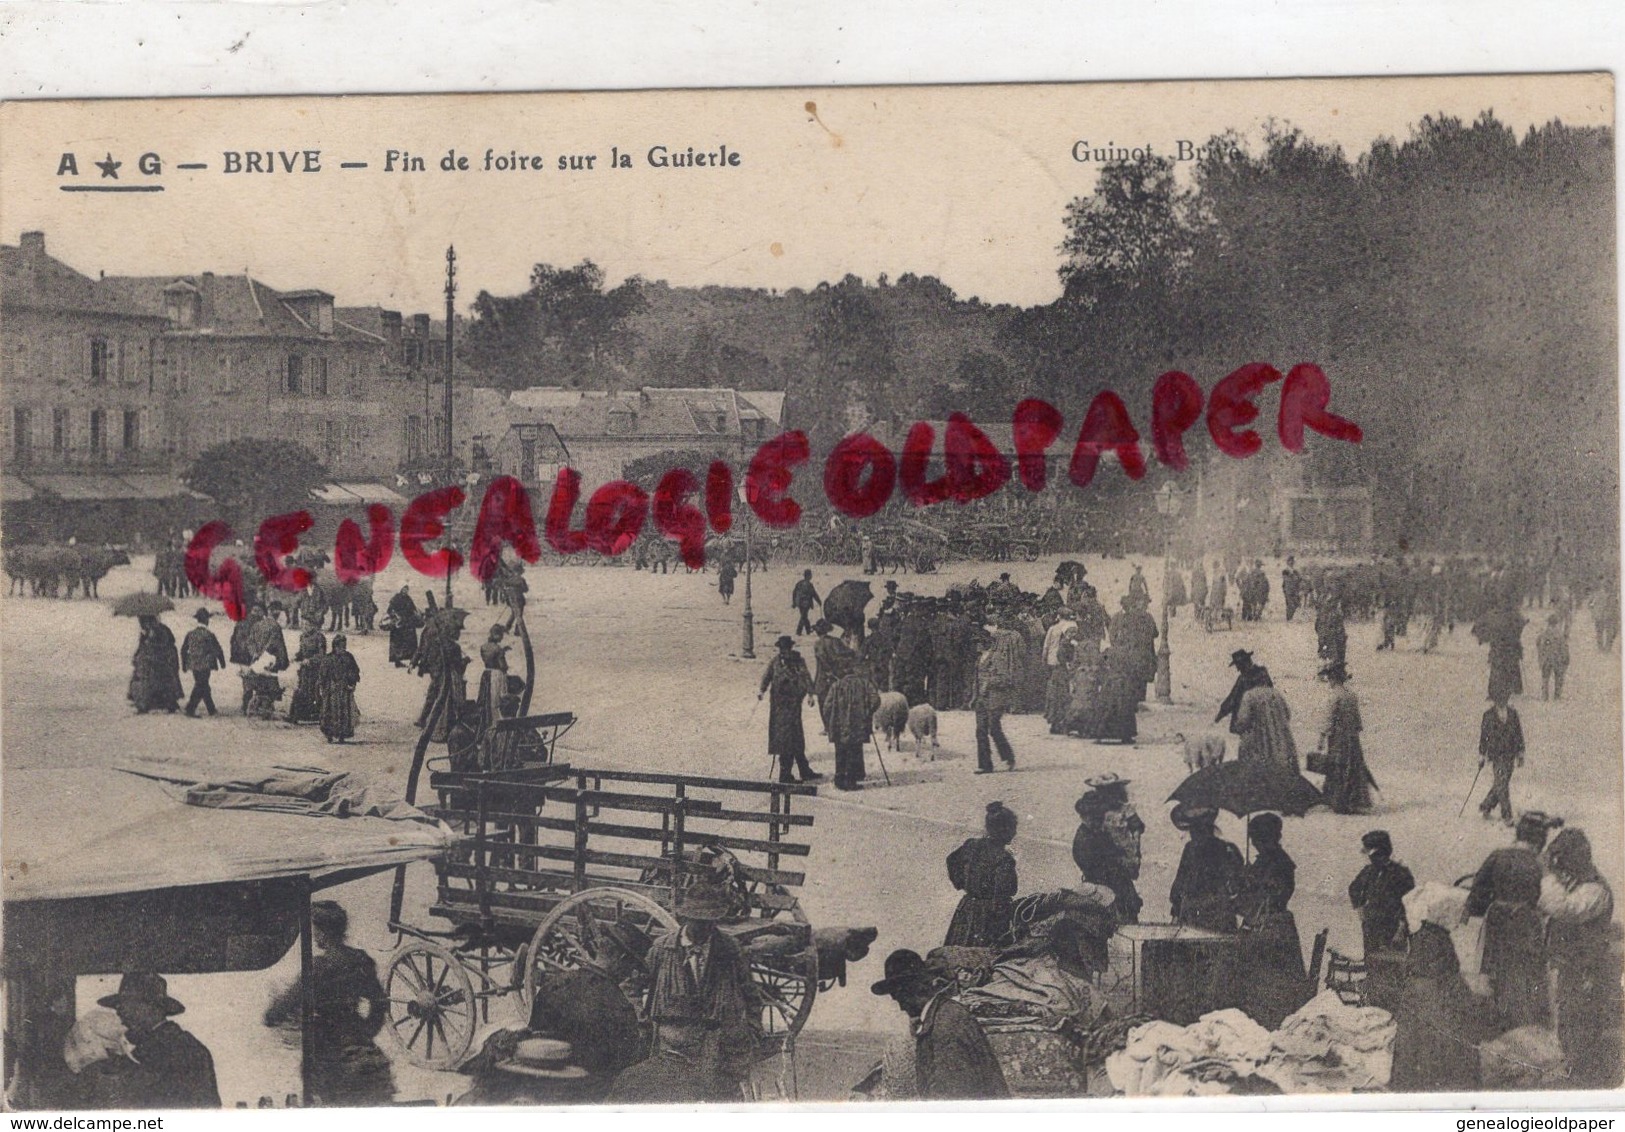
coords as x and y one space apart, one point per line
206 289
33 243
391 321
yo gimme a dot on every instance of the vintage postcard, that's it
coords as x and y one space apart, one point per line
860 594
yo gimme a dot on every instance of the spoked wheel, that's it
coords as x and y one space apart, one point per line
788 984
608 930
431 1005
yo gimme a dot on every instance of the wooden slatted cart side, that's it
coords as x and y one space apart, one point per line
533 838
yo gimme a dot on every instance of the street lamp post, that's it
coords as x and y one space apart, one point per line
1168 503
748 647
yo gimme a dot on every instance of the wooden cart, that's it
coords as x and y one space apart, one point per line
559 868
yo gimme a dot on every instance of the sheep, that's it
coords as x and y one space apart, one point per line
891 717
922 724
1202 751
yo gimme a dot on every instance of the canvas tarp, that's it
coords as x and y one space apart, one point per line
76 832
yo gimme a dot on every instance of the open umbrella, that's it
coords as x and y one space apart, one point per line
1249 787
142 605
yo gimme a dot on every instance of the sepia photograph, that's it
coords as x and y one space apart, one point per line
848 594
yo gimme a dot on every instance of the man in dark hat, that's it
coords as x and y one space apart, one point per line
1377 894
201 655
802 600
1248 676
952 1057
1500 743
1506 892
175 1069
789 682
704 1008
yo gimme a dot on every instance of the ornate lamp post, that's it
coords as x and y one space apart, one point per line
748 648
1168 504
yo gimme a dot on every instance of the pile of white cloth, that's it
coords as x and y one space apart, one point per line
1205 1058
1331 1047
1326 1047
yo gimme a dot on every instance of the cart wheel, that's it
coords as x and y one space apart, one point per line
606 929
431 1005
788 986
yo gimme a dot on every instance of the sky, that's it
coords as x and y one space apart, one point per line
965 183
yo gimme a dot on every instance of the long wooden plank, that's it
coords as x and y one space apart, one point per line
696 781
762 816
553 884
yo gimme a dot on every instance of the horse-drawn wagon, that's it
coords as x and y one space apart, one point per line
558 868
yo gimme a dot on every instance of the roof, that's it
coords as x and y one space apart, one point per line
660 412
100 486
31 278
137 835
237 305
769 402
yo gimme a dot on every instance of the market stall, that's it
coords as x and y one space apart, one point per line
175 866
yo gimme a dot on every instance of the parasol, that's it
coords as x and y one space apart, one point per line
142 605
1249 787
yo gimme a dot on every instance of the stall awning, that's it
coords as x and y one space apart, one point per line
349 494
75 832
97 487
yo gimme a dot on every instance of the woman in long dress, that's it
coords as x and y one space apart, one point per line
338 676
1348 780
1274 983
985 871
155 683
306 704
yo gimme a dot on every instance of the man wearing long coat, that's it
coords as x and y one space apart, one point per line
849 712
789 683
833 660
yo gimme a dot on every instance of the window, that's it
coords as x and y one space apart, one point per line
98 432
132 430
296 374
22 434
527 460
332 443
98 361
318 377
180 374
355 388
59 433
225 380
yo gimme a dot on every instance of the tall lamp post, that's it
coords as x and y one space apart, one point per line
1168 503
747 649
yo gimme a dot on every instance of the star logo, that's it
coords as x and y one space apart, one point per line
109 167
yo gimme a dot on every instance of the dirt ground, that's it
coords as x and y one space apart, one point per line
650 665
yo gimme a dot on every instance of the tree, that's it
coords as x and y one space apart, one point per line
852 371
566 329
1134 231
647 471
253 478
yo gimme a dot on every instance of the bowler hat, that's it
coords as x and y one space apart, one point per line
203 615
786 642
1379 840
1534 823
142 986
1107 781
903 968
1238 656
329 915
